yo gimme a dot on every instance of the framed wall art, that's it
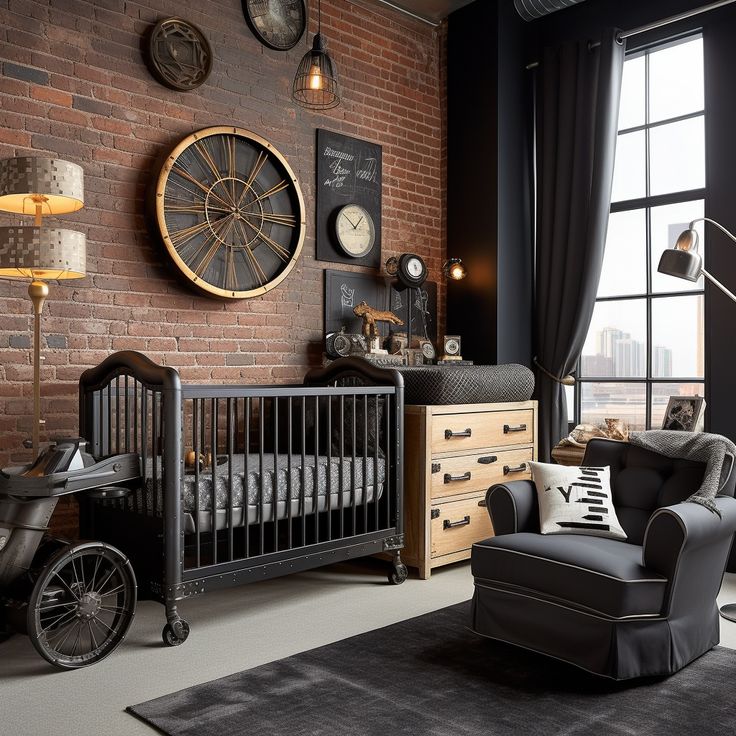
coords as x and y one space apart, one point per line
349 180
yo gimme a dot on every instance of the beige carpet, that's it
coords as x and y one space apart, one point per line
232 630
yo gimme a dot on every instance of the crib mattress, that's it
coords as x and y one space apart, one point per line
274 478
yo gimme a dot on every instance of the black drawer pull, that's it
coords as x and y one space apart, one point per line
447 524
449 434
509 428
482 503
514 468
487 459
451 478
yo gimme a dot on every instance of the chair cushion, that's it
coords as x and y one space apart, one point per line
605 576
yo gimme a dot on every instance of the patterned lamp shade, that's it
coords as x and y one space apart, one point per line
315 83
28 182
42 253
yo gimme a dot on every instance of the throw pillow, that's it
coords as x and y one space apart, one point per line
575 500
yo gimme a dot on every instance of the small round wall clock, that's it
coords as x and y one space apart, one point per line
355 231
230 212
279 24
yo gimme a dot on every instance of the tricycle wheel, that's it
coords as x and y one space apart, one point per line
172 637
82 604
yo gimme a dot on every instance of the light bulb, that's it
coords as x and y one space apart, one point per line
315 77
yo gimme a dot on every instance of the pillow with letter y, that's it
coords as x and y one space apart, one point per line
575 500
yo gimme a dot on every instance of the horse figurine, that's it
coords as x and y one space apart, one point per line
370 316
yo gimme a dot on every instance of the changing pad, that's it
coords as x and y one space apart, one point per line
467 384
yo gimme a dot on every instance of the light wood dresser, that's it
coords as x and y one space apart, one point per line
452 455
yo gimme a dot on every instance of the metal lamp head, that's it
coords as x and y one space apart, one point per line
683 260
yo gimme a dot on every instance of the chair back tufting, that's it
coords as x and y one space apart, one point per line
643 481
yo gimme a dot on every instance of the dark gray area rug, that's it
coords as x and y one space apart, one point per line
430 676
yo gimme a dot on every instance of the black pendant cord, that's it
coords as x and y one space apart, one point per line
319 17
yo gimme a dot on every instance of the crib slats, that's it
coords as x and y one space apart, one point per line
230 478
261 469
198 421
213 468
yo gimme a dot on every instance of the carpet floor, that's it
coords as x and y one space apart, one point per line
431 676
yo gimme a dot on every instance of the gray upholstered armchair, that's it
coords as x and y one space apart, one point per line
621 609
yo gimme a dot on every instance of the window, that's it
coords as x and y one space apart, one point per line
645 341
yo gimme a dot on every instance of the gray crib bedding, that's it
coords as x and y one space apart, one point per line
259 487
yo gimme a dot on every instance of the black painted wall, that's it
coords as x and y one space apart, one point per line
488 223
489 212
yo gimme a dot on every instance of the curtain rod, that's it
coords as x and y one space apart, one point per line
409 13
658 24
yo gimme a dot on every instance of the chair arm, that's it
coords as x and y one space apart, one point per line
673 529
513 507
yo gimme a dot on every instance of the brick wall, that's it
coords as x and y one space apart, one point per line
74 84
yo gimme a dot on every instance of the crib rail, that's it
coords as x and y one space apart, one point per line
243 476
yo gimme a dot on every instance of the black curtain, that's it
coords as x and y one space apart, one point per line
579 90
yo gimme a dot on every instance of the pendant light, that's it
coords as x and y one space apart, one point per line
315 84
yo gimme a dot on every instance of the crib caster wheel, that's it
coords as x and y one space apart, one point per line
175 635
398 574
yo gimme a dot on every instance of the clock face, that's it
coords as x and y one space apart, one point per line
277 23
428 350
412 271
230 212
452 346
414 267
355 230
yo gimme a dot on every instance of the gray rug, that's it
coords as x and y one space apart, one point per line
430 676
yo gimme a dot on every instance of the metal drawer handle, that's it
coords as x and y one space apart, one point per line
488 459
447 524
508 428
451 478
449 434
514 468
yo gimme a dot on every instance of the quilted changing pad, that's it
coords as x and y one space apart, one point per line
467 384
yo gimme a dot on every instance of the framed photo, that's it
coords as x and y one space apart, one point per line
684 413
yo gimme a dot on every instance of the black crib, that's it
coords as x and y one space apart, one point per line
244 483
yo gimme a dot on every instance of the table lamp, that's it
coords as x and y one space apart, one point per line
40 187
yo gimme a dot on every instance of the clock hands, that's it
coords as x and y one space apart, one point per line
355 227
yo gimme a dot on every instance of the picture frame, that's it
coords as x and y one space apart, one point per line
684 413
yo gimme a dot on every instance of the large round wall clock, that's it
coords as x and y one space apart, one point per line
279 24
230 212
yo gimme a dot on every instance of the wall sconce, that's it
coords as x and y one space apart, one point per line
454 269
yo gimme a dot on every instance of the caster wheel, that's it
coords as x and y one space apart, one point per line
398 574
173 639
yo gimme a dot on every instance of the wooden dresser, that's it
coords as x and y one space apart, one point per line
452 455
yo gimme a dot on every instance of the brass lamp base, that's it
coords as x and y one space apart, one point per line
38 291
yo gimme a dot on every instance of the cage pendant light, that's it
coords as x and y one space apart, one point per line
315 83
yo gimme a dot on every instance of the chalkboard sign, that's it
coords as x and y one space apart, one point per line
344 290
423 304
349 171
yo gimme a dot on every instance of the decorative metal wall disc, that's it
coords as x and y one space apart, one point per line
179 55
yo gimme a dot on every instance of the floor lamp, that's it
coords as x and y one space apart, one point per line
40 187
685 262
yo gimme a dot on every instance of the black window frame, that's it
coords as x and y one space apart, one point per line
647 203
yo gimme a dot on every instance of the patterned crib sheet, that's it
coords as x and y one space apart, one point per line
275 474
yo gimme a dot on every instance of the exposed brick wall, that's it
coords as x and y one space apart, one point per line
74 84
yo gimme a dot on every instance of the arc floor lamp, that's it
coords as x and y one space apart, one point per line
40 187
683 261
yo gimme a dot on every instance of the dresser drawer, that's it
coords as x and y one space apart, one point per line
478 472
476 430
457 524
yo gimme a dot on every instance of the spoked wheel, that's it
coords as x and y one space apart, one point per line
82 604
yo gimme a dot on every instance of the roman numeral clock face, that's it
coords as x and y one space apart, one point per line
230 212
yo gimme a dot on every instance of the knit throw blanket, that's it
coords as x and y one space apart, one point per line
701 447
